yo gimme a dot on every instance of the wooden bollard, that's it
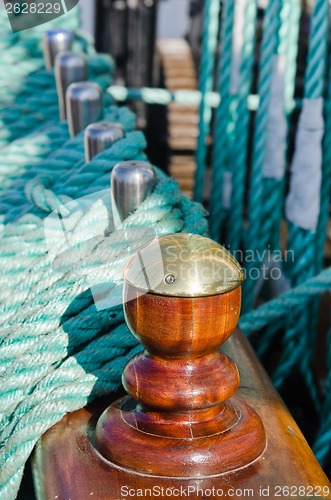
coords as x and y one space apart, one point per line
182 433
180 388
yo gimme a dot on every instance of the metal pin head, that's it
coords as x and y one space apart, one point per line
99 136
84 105
55 42
183 265
131 182
70 67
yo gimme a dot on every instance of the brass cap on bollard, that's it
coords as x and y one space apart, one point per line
183 265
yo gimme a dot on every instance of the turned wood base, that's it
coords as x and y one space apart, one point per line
67 465
181 419
233 438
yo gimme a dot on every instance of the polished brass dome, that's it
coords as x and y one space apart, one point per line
183 265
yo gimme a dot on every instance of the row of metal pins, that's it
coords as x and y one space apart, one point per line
80 103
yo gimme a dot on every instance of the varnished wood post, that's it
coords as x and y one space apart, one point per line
183 420
182 429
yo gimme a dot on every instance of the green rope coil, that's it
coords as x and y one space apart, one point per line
270 42
296 345
274 189
209 43
222 119
277 310
34 112
66 369
57 350
239 160
22 53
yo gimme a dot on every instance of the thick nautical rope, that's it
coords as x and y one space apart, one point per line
41 196
41 80
277 310
270 40
239 160
290 43
274 189
296 346
60 164
19 120
221 134
314 89
209 44
18 159
322 444
22 53
68 371
65 154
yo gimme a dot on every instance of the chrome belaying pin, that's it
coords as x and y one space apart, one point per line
131 182
84 105
56 41
99 136
70 67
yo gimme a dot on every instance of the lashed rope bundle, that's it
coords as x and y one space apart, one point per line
58 350
269 47
35 112
241 130
58 338
254 222
301 240
26 377
223 118
21 55
209 44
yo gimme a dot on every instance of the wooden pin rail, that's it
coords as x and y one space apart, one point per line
65 463
185 428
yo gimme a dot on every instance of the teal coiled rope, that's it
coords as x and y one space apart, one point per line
66 162
65 372
322 444
65 153
235 222
278 309
221 148
270 40
21 119
209 44
301 241
22 53
274 189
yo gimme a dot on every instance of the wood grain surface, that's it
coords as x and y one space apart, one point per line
67 466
